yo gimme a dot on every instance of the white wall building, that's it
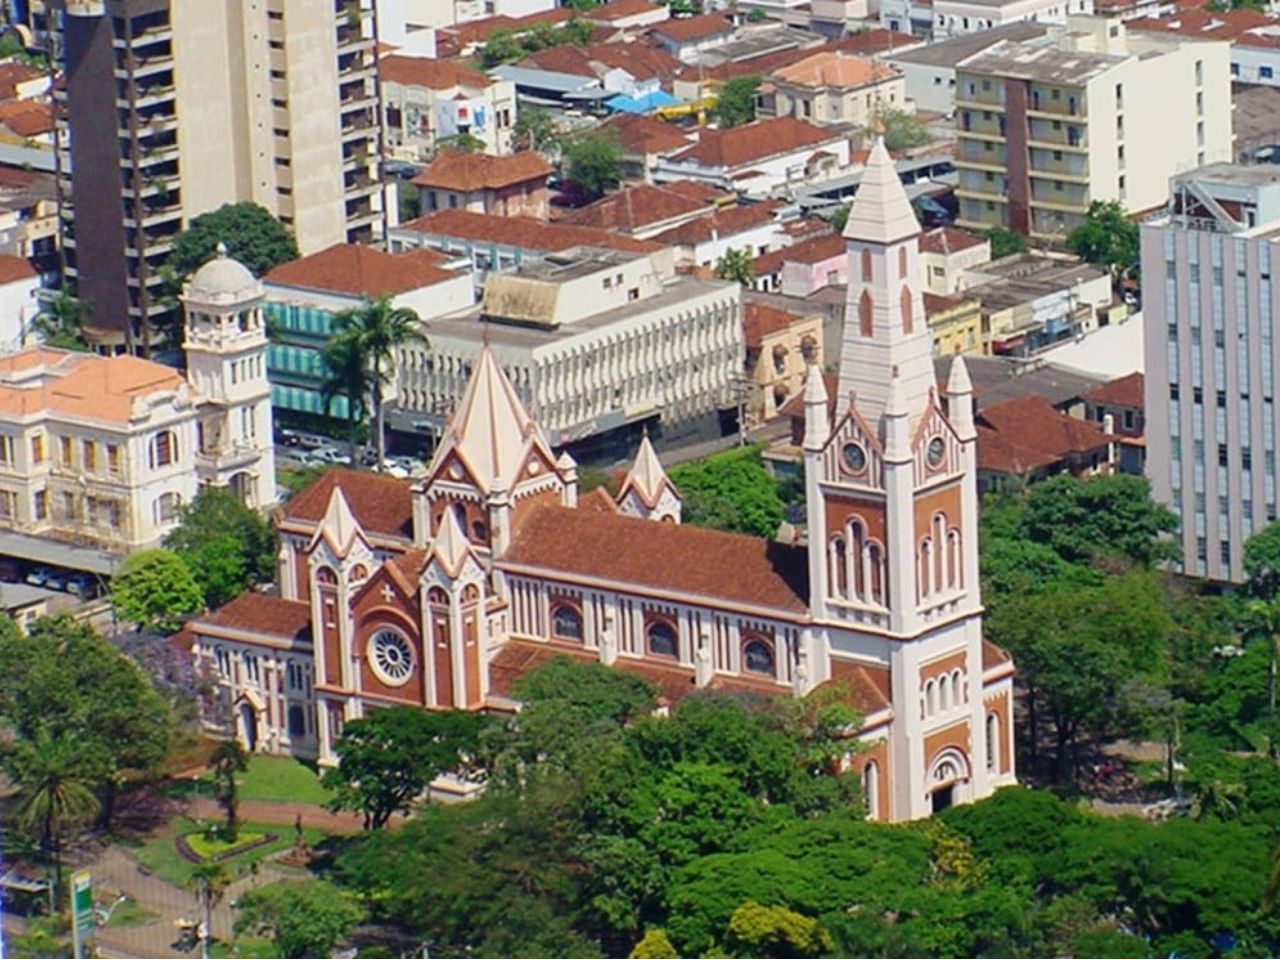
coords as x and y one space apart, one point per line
954 17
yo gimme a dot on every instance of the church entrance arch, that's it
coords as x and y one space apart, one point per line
948 776
242 486
247 722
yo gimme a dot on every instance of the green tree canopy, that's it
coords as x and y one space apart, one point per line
60 321
902 130
536 129
155 589
303 918
227 545
593 160
1005 242
346 375
1262 561
1108 237
252 236
390 757
736 102
736 265
730 491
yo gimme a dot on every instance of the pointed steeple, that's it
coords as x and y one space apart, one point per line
647 478
339 527
960 399
881 210
451 548
490 428
817 423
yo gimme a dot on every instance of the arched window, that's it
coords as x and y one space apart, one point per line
566 623
907 319
167 505
866 266
944 693
857 544
358 573
930 698
953 559
164 449
940 550
661 636
958 687
993 741
871 789
876 556
864 314
902 262
757 657
460 514
926 563
297 721
326 577
480 530
839 564
437 597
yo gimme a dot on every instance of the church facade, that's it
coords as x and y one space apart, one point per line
440 592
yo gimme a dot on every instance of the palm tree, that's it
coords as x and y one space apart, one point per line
736 265
228 759
346 376
1217 798
1264 619
210 881
380 329
60 322
55 791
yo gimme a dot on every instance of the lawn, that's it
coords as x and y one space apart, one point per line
160 855
274 779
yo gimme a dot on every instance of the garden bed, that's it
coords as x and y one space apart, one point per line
195 848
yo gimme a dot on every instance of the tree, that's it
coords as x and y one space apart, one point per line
251 234
228 759
593 160
841 217
1005 242
1262 561
654 945
536 129
54 776
304 918
463 142
60 321
64 679
380 329
1262 617
390 757
777 932
730 491
736 103
346 376
154 589
226 544
1108 237
902 130
736 265
210 881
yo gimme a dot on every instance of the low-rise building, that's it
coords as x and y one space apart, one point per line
956 324
758 157
627 14
305 295
1118 407
425 101
29 219
833 88
593 339
1254 37
802 268
946 253
510 186
628 69
751 227
693 35
643 141
780 346
1025 439
98 454
954 17
18 304
646 210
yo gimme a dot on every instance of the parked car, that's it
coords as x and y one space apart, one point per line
56 580
309 458
83 585
287 438
39 576
333 455
310 441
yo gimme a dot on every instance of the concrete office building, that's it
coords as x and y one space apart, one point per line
1090 112
180 106
1211 356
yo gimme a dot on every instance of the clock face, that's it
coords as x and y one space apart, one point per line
853 457
935 452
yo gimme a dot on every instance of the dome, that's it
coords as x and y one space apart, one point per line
223 280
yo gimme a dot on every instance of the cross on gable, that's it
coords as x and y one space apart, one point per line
388 594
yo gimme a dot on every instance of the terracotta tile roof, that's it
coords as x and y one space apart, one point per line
834 69
692 29
515 658
1205 25
752 66
523 232
455 170
681 559
868 685
947 240
815 250
597 499
722 223
639 60
361 271
754 142
639 134
259 613
933 303
795 406
993 656
1022 434
1126 391
759 320
382 505
12 74
15 268
877 40
429 72
636 207
622 9
478 31
83 385
27 118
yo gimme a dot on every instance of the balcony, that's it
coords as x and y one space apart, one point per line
1073 167
993 196
228 456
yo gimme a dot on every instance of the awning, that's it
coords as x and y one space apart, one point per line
646 104
58 554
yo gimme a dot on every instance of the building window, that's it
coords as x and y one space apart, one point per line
871 789
1199 72
6 450
167 506
113 458
223 660
252 669
757 657
65 454
164 449
89 456
905 300
37 448
993 741
866 266
661 637
391 657
864 314
1266 73
40 504
566 623
8 505
297 721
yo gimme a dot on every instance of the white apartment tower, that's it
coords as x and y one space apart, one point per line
1210 306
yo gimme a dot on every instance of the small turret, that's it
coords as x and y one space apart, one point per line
960 400
816 424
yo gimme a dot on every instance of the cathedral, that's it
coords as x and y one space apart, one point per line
439 592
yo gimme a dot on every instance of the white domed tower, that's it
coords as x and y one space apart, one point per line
226 345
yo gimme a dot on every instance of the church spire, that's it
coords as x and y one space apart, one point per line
885 328
647 491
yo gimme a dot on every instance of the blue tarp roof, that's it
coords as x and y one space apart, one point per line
646 104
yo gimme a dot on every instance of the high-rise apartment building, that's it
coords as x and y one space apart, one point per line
1087 112
1211 357
172 108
